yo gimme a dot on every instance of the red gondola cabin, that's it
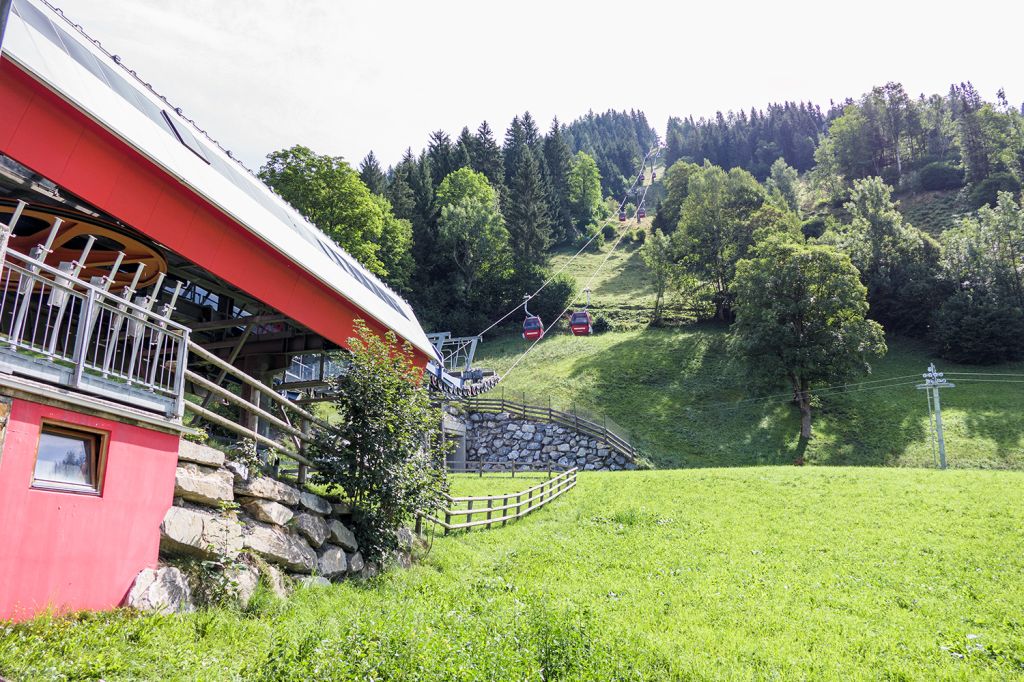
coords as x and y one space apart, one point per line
581 323
533 328
622 216
641 214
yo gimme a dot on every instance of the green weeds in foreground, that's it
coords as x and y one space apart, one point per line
753 573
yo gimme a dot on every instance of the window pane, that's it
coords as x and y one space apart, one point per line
65 460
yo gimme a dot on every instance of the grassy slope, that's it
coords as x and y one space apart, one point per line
746 573
675 392
933 212
656 384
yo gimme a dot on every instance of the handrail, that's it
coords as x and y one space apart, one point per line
583 425
61 277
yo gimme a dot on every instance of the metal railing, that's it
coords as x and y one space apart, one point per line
505 510
118 345
572 420
258 405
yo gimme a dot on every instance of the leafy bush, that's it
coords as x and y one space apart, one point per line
813 227
976 329
555 298
609 231
385 452
640 236
939 176
987 191
601 324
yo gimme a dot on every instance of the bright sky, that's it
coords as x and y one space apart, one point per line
344 77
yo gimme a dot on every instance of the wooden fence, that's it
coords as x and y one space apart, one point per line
496 508
571 420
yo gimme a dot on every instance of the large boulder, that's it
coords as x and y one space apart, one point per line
162 590
202 484
332 562
281 547
200 454
315 503
340 535
201 533
269 489
267 511
274 579
244 576
312 527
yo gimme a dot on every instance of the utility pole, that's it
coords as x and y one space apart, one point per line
933 382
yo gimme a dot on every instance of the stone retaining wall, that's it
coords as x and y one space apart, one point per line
226 514
503 438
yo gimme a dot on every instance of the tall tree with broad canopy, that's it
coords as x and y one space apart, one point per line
659 254
897 262
801 318
330 195
384 451
584 190
715 227
472 230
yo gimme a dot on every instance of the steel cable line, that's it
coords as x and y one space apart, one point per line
823 391
550 279
621 234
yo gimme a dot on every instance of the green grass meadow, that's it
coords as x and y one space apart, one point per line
738 574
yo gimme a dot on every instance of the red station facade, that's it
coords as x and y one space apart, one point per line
64 549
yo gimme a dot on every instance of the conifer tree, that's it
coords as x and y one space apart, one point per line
487 156
558 157
371 174
526 214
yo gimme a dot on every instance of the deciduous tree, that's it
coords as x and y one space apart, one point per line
801 318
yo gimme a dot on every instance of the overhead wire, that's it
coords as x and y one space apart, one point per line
621 234
549 280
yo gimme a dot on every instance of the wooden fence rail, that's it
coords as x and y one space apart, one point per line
568 419
496 508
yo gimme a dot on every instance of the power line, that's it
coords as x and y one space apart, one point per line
530 297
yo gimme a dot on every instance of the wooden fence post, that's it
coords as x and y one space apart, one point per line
489 505
447 521
469 516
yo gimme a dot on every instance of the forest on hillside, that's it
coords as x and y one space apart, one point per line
466 226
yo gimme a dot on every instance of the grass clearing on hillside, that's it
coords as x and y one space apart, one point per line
752 573
676 394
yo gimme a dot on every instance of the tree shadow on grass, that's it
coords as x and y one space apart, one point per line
685 404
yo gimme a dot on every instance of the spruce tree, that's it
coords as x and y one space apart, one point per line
441 155
515 143
559 164
526 214
371 174
487 156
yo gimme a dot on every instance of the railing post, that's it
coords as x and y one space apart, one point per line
469 515
82 339
447 521
480 467
489 505
180 365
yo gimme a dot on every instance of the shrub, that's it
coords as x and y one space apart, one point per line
555 298
813 227
385 452
939 176
987 191
640 236
609 231
977 329
601 324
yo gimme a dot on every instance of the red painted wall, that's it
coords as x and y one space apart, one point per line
69 551
51 137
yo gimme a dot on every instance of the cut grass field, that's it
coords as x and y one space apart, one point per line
748 573
676 394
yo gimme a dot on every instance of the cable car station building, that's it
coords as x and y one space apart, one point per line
144 274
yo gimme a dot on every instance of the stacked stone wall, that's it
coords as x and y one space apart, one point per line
256 527
508 440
